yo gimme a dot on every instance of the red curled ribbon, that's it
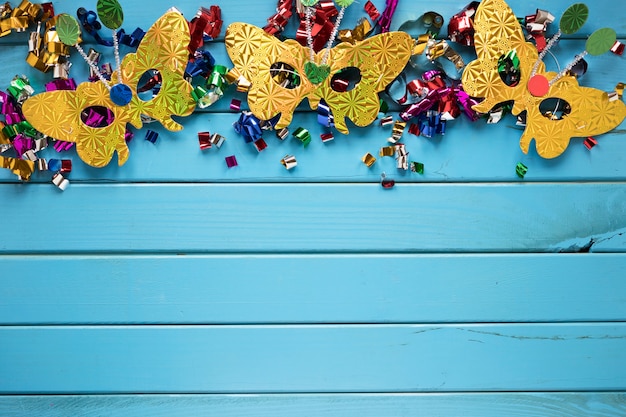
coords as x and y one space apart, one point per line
206 23
277 22
461 26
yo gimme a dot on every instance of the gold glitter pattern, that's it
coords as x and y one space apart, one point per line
163 48
498 32
380 59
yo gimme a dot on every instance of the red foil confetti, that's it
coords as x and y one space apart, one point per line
414 129
66 166
536 25
387 120
461 26
322 25
260 144
371 10
386 183
206 24
277 22
327 137
617 48
590 142
204 138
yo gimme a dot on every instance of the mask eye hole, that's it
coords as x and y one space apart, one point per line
554 108
346 79
97 116
509 68
149 85
285 75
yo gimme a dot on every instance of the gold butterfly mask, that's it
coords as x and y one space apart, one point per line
255 54
164 49
498 33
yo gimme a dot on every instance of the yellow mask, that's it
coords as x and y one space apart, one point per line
498 32
163 48
379 59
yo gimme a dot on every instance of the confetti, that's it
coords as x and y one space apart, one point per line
368 159
521 170
289 162
385 182
417 167
204 138
590 142
231 161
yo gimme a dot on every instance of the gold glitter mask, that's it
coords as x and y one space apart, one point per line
588 111
256 55
162 50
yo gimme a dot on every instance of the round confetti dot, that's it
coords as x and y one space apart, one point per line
601 41
68 29
538 85
344 3
121 94
110 13
574 18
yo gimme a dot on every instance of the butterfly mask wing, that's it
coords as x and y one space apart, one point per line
499 33
256 54
61 114
379 60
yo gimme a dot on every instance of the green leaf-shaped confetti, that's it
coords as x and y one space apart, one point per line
601 41
344 3
574 18
110 13
309 3
316 73
68 29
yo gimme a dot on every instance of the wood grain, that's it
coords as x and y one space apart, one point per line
320 405
314 218
312 358
240 289
315 292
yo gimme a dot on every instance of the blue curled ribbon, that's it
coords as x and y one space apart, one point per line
89 21
249 126
151 136
202 64
324 114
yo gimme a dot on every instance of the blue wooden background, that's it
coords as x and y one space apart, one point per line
174 286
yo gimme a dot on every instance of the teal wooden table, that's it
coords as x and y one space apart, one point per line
174 286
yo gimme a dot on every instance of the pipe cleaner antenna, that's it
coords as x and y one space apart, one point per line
598 43
111 15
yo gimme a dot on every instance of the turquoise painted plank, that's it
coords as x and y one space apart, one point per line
314 359
265 218
321 405
311 289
